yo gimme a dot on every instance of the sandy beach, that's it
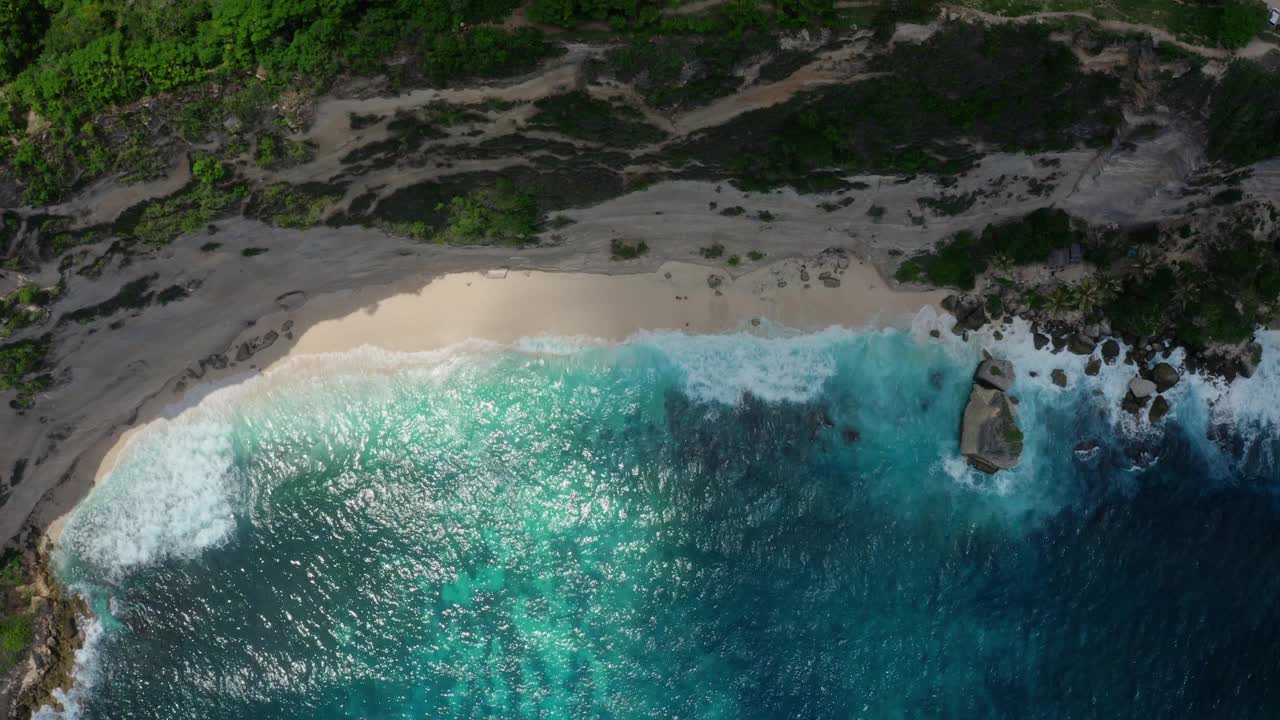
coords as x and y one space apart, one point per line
503 306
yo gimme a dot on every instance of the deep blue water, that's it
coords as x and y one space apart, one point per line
685 527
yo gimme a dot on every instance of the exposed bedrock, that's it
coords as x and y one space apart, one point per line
990 439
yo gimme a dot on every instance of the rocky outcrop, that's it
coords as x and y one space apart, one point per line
995 374
1249 360
1081 344
1141 388
1110 351
1164 376
47 664
1059 377
1159 408
990 439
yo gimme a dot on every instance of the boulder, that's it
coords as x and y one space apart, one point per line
1165 376
1110 351
1080 344
1250 360
974 319
1041 340
1159 408
1141 388
1093 331
995 374
1059 377
989 436
1093 367
1132 404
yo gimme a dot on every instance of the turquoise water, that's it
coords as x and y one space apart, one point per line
683 527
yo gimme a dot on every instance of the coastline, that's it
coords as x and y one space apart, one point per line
504 306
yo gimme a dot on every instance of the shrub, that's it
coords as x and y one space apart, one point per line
501 214
627 249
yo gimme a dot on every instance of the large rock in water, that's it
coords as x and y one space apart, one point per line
995 374
1164 376
989 436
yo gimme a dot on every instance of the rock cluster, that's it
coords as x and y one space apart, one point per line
990 439
1150 386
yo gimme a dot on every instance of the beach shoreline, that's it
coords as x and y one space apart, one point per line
502 307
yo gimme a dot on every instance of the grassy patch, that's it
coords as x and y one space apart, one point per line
581 116
210 195
292 206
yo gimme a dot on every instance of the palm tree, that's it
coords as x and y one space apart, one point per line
1061 301
1089 294
1146 263
1002 262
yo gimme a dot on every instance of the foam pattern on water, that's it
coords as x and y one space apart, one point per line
730 526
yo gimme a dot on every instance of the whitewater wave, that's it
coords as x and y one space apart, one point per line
724 368
173 491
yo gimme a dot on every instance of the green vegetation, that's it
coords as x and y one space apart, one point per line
211 194
16 622
22 23
580 116
949 204
22 368
254 251
1244 119
272 151
293 206
498 215
133 295
684 71
173 293
25 307
713 251
1010 88
1220 301
620 249
485 52
75 63
960 259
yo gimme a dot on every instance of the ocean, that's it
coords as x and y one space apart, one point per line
751 525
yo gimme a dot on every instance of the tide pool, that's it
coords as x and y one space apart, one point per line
685 527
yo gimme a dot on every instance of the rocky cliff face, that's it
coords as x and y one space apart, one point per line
990 439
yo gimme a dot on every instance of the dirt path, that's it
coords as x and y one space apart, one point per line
1255 49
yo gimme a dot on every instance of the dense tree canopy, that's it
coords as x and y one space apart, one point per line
22 25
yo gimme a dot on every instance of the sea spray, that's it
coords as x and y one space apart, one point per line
728 526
